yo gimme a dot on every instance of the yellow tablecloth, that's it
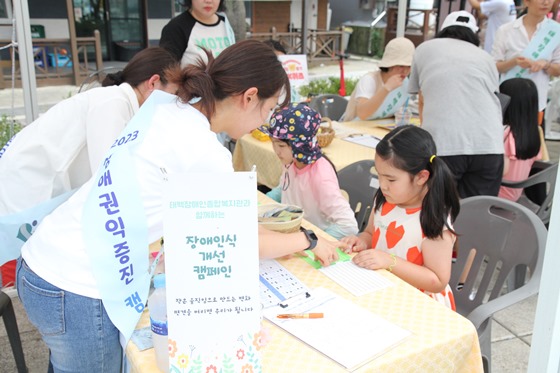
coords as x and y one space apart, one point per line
249 151
441 340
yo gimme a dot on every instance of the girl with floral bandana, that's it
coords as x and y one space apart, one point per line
309 179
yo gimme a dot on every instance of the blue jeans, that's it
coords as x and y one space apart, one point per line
77 330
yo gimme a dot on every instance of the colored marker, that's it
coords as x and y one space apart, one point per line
301 316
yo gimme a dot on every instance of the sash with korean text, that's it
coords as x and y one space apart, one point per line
541 47
115 225
394 100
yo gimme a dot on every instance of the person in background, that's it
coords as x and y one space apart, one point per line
457 84
63 275
498 12
202 25
521 134
380 93
529 48
410 230
309 179
61 150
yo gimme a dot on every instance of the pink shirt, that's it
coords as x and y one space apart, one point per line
315 188
518 169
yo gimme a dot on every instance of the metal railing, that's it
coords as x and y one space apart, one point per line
54 64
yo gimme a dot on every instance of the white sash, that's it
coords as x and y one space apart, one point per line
541 47
115 225
394 100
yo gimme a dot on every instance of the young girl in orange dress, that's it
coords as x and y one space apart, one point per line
410 230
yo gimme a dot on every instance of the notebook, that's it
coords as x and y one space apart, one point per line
348 334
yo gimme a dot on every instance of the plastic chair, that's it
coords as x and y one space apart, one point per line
7 313
497 239
95 79
359 181
538 189
332 106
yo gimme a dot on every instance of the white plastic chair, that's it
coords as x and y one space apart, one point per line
507 238
360 182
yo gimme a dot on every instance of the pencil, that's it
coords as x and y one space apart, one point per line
301 316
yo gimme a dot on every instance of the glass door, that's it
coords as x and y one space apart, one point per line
121 23
127 28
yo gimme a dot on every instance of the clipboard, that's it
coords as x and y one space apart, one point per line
348 334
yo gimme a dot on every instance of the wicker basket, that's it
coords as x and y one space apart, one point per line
326 134
279 226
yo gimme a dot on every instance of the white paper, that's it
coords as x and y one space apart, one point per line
348 333
366 140
357 280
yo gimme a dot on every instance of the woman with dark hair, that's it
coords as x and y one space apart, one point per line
62 148
457 83
529 47
202 25
79 288
522 142
410 230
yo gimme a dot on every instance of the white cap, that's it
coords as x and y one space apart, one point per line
460 18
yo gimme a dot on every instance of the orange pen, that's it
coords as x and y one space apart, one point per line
301 316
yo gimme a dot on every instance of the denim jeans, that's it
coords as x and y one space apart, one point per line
77 329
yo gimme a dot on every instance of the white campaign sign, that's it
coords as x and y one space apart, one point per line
212 272
295 66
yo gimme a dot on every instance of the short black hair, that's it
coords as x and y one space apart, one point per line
276 45
188 4
461 33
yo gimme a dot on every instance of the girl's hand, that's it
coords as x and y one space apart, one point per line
353 244
393 82
325 251
373 259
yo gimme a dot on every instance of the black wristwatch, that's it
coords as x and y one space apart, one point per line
311 237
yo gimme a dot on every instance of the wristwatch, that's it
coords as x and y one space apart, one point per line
311 237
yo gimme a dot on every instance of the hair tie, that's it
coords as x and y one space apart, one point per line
432 158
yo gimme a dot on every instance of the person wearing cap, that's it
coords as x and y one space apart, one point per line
380 93
529 47
498 12
309 179
457 83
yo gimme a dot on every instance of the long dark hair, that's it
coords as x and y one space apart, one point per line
248 63
411 149
522 116
188 4
143 66
460 33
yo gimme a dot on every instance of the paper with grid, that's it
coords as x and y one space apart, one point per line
357 280
277 284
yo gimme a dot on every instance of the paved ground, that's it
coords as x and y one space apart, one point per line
512 328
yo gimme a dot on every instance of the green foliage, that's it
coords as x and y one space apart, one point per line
327 86
8 128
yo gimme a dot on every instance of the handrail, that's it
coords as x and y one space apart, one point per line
61 72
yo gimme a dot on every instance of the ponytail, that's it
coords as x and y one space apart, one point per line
243 65
412 149
441 202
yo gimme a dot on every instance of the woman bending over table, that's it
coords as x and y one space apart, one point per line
63 276
380 93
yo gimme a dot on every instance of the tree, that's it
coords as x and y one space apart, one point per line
235 11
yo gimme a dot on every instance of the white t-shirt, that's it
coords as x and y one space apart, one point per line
179 139
461 110
498 13
510 41
60 150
